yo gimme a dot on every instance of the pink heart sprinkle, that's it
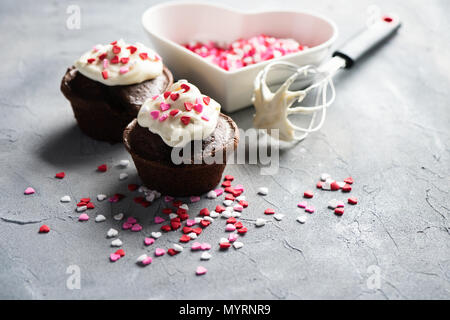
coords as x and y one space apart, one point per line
232 237
164 106
310 209
205 246
196 246
131 220
136 227
238 208
218 192
201 270
114 257
239 187
163 117
159 220
147 261
159 252
83 217
205 118
190 222
123 70
29 190
230 227
198 108
154 114
198 101
155 97
105 63
340 204
302 204
195 198
168 198
113 199
149 241
127 226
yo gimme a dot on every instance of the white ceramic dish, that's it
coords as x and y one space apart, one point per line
171 24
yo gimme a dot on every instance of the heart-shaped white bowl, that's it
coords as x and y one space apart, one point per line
171 24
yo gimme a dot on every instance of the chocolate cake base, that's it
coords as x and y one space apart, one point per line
102 112
157 171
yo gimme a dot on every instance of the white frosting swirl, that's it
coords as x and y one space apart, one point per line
119 63
180 115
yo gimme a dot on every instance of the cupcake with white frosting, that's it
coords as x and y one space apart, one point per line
180 141
108 85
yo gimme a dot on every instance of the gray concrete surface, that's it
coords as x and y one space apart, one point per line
389 128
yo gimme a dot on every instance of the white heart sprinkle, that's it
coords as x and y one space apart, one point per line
141 258
205 256
192 235
229 209
278 216
208 218
211 195
333 204
112 233
177 247
238 244
197 220
65 199
240 198
260 222
222 240
326 185
235 214
213 214
81 209
184 206
340 183
324 176
116 243
156 235
100 218
263 191
123 176
124 163
226 214
118 216
301 219
101 197
172 215
228 203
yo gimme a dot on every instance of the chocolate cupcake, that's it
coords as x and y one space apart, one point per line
180 141
108 85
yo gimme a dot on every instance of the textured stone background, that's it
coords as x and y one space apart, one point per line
389 128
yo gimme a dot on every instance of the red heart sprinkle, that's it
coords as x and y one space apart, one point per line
231 220
229 197
167 210
187 230
243 203
174 96
238 225
177 219
334 186
132 49
116 49
124 60
269 211
115 60
242 230
174 112
81 204
226 183
166 228
90 205
166 94
229 177
85 200
204 223
114 42
91 60
224 245
60 175
206 100
347 188
339 211
172 252
105 74
143 55
102 56
185 87
133 187
229 190
352 200
120 252
184 216
219 209
349 180
44 229
177 203
188 106
175 225
204 212
185 238
319 185
197 231
185 120
308 194
102 168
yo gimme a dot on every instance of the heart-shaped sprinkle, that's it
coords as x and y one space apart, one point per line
159 220
205 256
263 191
91 60
308 194
339 211
65 199
132 49
349 180
224 245
278 216
105 73
185 120
60 175
136 227
204 117
346 188
260 222
319 185
188 106
242 230
81 208
159 252
206 100
127 225
174 112
185 87
196 246
124 60
172 252
44 229
141 258
154 114
112 233
124 70
116 243
352 200
185 238
163 117
120 252
149 241
269 211
166 228
118 216
340 204
177 247
83 217
340 183
302 204
143 55
147 261
301 219
198 108
164 106
101 197
174 96
213 214
228 203
324 176
29 190
100 218
237 245
230 227
116 49
201 270
115 60
205 223
310 209
114 257
187 229
229 197
211 195
131 220
190 222
204 212
326 185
